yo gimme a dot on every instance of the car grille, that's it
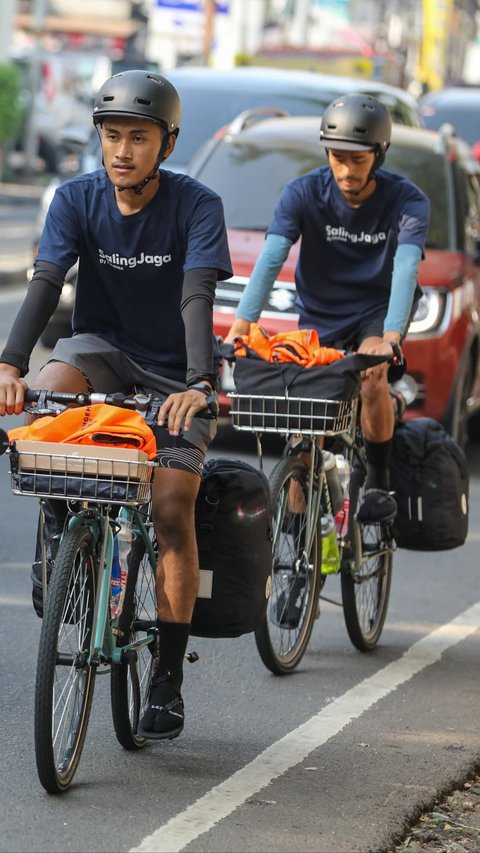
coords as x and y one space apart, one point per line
281 302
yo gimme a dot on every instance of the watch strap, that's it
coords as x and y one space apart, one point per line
204 387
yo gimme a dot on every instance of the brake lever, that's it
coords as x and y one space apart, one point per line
397 354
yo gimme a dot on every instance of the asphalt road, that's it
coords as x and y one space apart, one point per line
18 212
336 758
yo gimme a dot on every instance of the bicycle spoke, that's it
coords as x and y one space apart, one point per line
283 637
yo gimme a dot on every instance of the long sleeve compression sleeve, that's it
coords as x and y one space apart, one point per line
265 271
404 281
197 313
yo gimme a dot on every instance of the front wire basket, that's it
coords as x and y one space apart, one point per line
291 415
113 479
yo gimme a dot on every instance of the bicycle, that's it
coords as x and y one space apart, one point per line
304 499
80 635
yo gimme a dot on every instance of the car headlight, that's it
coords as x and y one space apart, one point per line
430 312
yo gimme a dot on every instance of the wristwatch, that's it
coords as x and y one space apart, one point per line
201 386
210 397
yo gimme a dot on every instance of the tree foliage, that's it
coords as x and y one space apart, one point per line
10 102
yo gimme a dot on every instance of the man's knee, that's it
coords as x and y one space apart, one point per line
374 383
58 376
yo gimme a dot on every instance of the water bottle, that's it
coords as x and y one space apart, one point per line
115 581
124 539
330 552
333 480
343 515
122 543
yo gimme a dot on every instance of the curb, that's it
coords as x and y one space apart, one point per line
14 267
21 192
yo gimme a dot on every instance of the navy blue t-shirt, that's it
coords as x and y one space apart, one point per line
344 269
131 268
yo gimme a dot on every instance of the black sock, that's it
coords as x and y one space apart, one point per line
378 464
173 638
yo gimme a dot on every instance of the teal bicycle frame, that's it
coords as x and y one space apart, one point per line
103 648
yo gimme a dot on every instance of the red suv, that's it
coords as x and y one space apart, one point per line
249 165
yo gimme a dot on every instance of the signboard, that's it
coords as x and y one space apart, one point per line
189 6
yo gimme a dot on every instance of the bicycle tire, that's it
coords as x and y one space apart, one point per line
280 642
64 680
130 680
366 574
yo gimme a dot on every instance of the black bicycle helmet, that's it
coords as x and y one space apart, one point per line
357 123
141 94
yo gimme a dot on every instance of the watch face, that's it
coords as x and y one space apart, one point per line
213 406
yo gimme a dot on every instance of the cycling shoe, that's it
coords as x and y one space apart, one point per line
164 716
287 609
378 505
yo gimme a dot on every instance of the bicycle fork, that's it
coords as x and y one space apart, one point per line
103 648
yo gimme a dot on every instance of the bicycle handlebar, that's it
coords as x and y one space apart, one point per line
147 404
140 402
397 359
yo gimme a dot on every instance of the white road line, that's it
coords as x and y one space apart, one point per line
222 800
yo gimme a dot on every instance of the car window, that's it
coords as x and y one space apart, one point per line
468 210
204 112
465 120
250 178
429 172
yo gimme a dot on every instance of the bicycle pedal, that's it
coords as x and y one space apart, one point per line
192 657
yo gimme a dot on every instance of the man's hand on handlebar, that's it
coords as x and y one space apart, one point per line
239 327
178 410
12 390
391 349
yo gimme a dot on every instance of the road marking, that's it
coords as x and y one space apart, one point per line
292 749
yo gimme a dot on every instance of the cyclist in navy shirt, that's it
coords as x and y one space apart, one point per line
363 233
151 245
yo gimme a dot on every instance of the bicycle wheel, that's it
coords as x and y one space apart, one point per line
64 681
366 574
130 680
283 636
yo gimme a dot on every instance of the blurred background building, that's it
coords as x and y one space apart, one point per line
432 42
65 50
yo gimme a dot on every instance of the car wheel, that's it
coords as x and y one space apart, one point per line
456 420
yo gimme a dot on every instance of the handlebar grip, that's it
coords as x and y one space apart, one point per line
33 395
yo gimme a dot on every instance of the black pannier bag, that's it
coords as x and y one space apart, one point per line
429 475
233 520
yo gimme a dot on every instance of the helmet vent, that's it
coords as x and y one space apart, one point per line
143 102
